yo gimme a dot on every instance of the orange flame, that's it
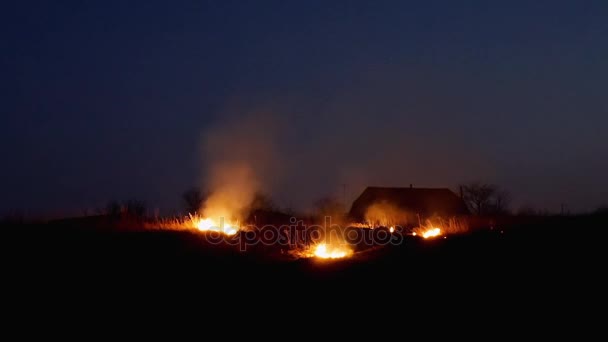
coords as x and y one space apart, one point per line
331 252
433 232
208 224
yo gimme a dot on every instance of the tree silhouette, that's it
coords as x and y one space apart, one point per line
527 210
501 202
113 208
601 211
193 200
131 208
135 208
485 199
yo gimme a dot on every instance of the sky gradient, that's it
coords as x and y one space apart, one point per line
110 100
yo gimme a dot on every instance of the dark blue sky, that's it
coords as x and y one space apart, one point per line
109 100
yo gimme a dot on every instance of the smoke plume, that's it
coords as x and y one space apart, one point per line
239 154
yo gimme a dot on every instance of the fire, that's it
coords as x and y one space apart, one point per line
208 224
331 252
392 229
433 232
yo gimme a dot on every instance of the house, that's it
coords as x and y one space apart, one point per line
388 206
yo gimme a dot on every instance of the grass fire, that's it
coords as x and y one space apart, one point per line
328 251
259 245
209 224
429 233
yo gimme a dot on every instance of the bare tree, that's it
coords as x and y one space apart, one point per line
193 200
12 217
132 208
501 202
483 199
527 210
135 208
601 211
478 196
113 208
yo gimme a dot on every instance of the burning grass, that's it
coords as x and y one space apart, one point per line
209 224
384 215
438 226
196 222
323 251
432 227
428 232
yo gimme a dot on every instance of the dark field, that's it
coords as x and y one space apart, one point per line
543 258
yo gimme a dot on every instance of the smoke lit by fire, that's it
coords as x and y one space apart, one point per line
233 186
385 215
239 158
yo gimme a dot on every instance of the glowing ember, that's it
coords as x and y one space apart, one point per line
208 224
431 233
325 252
391 229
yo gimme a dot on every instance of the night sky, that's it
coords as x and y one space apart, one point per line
106 100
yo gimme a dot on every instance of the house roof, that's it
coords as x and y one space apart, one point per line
424 201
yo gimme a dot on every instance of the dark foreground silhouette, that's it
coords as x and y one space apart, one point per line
549 257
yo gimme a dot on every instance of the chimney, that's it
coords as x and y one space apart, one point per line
461 193
411 186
